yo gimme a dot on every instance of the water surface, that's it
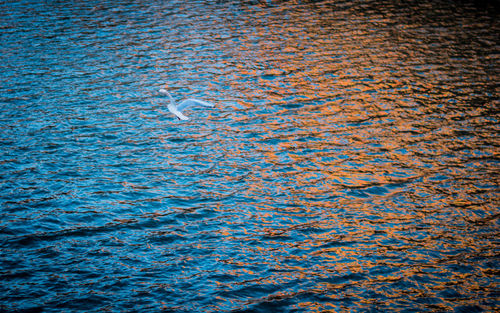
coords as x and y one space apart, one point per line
350 163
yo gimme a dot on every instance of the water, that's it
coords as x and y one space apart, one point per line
350 163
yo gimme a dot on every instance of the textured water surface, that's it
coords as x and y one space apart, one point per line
350 164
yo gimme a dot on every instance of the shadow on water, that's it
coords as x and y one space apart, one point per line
350 163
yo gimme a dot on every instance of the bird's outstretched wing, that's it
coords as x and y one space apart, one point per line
193 102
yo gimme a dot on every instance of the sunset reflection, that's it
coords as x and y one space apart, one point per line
349 164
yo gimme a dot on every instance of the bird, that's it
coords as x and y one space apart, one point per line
177 109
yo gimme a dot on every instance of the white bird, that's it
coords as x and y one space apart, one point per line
177 109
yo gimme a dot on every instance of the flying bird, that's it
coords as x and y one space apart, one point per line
177 109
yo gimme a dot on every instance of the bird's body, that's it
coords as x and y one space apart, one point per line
177 109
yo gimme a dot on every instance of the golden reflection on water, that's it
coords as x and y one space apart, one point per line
366 154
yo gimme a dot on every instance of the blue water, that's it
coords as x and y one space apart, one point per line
350 164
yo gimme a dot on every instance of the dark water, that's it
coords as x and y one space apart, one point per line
351 162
